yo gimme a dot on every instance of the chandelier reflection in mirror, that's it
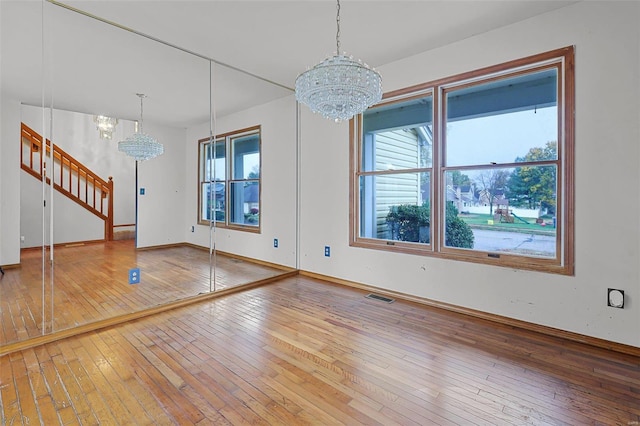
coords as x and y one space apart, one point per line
141 146
339 87
105 125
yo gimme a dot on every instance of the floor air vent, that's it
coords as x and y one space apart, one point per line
378 297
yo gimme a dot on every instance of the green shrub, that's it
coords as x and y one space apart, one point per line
406 222
458 233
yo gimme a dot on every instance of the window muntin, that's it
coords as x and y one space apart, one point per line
502 142
230 180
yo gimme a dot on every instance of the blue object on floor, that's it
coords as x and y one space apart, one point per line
134 276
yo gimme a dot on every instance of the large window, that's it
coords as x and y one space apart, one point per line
229 184
475 167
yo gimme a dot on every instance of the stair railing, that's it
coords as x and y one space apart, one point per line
72 178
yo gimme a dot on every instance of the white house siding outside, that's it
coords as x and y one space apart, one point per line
395 150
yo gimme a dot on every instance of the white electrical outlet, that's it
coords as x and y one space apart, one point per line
22 238
615 298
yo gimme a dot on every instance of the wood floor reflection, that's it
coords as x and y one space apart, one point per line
92 283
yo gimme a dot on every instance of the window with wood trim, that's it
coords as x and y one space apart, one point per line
476 167
229 180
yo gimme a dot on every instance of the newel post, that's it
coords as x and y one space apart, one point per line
108 232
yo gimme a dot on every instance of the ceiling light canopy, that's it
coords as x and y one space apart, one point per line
141 146
339 87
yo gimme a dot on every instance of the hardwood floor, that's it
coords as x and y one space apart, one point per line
303 351
92 283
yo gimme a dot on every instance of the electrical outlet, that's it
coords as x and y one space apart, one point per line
615 298
275 243
22 238
134 276
327 251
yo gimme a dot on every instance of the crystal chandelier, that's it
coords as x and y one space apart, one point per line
339 87
105 125
141 146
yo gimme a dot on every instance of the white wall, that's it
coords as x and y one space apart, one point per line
161 214
607 40
72 223
9 181
278 213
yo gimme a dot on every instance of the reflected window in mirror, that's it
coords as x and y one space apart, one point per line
230 182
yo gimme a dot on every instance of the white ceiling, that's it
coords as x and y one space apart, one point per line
94 67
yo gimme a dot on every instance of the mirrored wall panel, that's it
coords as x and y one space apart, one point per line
149 174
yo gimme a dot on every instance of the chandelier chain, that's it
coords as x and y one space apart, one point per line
141 96
338 30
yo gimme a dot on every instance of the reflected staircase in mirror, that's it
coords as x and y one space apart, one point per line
71 177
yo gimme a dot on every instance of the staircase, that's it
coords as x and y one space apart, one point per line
72 178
